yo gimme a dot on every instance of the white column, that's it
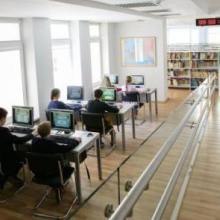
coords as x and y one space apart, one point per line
82 56
39 66
108 48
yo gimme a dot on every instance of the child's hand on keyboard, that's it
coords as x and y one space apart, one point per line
34 132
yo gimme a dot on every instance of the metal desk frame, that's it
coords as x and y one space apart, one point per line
149 93
94 141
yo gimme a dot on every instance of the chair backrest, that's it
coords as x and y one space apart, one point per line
44 165
47 112
93 121
133 96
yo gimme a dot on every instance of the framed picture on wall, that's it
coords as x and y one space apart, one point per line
138 51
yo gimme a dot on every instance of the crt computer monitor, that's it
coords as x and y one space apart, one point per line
109 94
62 120
137 80
23 116
74 92
114 79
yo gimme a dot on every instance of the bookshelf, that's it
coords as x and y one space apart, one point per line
188 69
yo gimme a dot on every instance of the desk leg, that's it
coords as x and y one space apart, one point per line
77 178
156 104
133 122
99 158
150 106
123 132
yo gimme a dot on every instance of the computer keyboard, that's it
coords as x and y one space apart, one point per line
112 103
62 139
22 130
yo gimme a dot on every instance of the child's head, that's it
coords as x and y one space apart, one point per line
3 116
128 79
55 94
44 129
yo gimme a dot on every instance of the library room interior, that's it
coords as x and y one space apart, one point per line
109 109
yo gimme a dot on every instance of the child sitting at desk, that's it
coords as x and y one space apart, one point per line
43 144
56 104
128 85
98 106
10 160
54 101
106 82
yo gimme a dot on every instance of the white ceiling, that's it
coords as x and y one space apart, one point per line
182 7
105 10
66 11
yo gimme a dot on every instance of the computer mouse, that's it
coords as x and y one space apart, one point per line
89 134
119 106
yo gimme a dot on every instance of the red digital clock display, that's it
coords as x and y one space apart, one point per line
207 21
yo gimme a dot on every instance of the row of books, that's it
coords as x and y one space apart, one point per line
202 74
180 82
205 55
179 55
178 64
193 55
193 64
204 64
178 73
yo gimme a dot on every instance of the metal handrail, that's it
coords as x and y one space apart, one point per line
132 197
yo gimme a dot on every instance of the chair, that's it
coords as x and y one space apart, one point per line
95 122
49 170
134 96
20 165
82 158
47 113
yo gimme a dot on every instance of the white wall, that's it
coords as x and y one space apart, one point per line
155 77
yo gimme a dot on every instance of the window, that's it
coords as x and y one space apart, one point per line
96 61
9 32
178 36
94 30
62 58
60 31
12 89
213 35
194 36
95 50
63 75
183 35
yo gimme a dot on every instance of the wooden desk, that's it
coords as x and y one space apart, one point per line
145 96
126 108
86 143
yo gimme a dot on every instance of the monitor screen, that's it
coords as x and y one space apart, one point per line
137 79
62 120
74 93
114 79
22 115
109 94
